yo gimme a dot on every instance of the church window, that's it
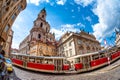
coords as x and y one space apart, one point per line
6 28
46 30
41 24
13 16
19 8
42 16
39 36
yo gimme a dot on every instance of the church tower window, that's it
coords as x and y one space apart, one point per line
42 16
39 36
46 30
41 24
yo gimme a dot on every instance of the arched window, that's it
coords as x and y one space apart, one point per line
41 24
39 36
88 48
81 47
42 16
46 29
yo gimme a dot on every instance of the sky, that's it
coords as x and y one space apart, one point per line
98 17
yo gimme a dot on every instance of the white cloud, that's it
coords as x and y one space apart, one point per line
65 28
52 3
83 2
19 32
57 32
60 2
108 12
37 2
21 27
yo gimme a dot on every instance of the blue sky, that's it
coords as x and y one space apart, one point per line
98 17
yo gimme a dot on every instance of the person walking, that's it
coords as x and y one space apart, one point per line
3 68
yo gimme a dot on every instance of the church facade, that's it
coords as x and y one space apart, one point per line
40 42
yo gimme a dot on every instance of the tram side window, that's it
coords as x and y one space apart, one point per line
48 61
102 55
77 60
95 57
39 60
31 59
118 49
66 62
14 57
19 57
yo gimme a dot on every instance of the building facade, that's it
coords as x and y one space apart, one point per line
117 41
14 50
40 42
72 44
23 47
9 10
9 43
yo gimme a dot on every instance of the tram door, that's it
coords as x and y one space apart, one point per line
86 62
58 64
25 61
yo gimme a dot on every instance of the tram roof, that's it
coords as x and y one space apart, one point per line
82 55
93 53
46 57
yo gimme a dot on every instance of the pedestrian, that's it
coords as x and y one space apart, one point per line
3 69
72 66
2 54
108 60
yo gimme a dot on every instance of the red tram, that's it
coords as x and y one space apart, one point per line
79 63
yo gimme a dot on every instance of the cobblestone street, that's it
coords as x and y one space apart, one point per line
102 74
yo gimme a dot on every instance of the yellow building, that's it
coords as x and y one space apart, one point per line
72 44
40 42
9 10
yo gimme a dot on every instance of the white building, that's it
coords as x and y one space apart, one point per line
72 44
117 39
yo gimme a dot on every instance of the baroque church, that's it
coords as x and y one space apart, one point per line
40 41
